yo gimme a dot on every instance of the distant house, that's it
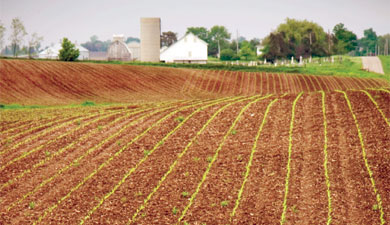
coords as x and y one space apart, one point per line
258 49
54 51
135 49
118 49
188 49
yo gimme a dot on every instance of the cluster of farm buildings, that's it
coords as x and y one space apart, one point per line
188 49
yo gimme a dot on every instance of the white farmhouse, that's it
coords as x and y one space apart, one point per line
54 51
188 49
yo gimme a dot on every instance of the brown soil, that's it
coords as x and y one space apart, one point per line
76 190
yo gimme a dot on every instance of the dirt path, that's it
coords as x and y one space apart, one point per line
372 64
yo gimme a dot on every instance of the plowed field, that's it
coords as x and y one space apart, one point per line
191 147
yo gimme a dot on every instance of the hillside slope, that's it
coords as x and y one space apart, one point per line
30 82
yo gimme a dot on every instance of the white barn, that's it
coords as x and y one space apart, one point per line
188 49
54 51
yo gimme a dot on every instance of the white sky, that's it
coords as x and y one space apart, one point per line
79 20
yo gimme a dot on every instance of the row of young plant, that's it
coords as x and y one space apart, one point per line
364 155
156 146
93 118
117 154
47 129
49 155
75 162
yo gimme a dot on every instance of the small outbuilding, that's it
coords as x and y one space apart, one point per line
188 49
53 52
118 49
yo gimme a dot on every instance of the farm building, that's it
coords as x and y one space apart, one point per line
150 39
54 51
118 49
135 48
188 49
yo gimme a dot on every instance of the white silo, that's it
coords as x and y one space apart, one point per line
150 39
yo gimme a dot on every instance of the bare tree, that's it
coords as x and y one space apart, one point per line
2 32
33 44
17 34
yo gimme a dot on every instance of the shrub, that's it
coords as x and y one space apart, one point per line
227 54
69 52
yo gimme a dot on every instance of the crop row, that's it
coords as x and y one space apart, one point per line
145 121
249 83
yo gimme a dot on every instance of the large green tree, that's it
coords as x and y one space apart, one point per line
200 32
69 52
368 42
344 40
296 38
219 36
168 38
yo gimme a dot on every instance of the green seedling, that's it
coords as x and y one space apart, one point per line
185 194
31 205
119 143
209 159
138 193
224 203
196 159
174 210
294 209
179 119
76 164
146 152
375 207
234 132
186 174
78 122
161 143
185 223
47 153
99 128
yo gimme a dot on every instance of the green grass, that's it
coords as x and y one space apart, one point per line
385 64
350 66
22 107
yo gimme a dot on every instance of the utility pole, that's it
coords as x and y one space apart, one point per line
387 46
329 42
237 43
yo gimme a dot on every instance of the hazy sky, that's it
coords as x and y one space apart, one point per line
79 20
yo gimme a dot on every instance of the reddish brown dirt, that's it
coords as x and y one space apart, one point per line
57 83
376 136
262 199
188 172
225 177
307 201
346 168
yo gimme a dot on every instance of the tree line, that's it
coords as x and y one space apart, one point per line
293 38
296 38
